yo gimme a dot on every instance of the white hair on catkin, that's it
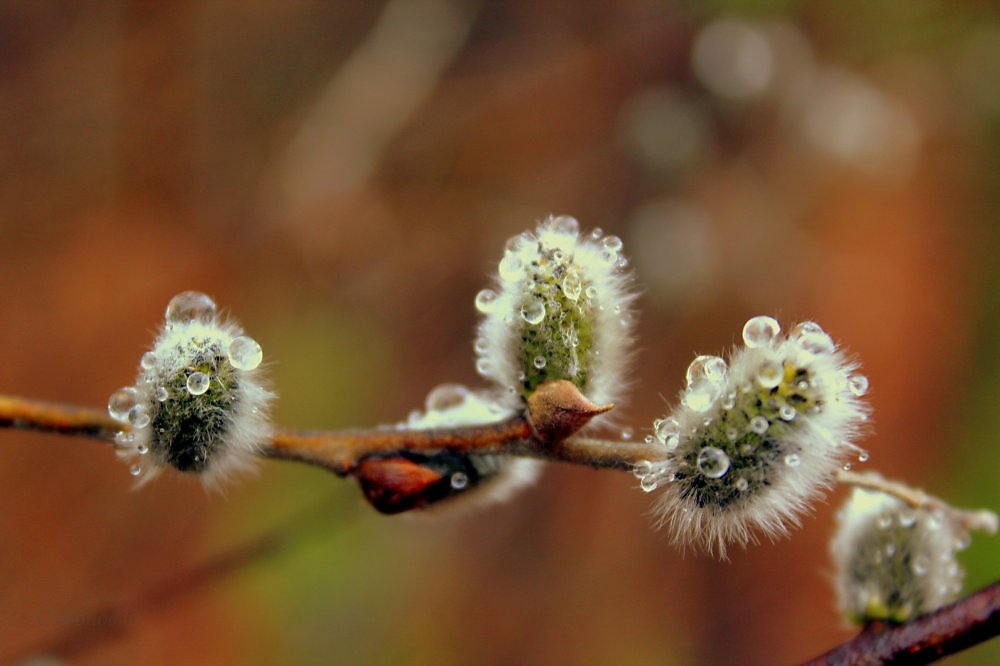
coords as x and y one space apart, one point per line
199 403
561 308
754 442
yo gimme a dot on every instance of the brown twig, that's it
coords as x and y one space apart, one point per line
27 414
925 639
340 451
982 520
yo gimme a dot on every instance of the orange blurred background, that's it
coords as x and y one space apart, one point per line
342 177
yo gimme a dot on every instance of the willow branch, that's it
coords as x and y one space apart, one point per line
546 435
925 639
982 519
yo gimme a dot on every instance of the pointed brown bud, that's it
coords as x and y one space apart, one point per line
557 409
395 485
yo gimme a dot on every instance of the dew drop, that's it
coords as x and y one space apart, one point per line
663 428
135 470
863 456
713 462
786 412
597 233
846 467
190 306
626 433
701 397
884 521
907 518
729 400
742 484
769 374
481 345
858 385
816 343
121 438
572 285
459 480
591 292
445 396
486 300
533 312
142 449
148 361
759 425
197 383
920 565
649 439
612 244
121 402
642 469
539 362
484 367
649 483
510 268
760 331
162 394
793 460
566 224
245 353
732 434
138 416
712 368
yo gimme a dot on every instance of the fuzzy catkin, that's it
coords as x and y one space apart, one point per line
754 441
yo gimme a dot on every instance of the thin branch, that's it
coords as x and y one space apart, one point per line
981 519
925 639
27 414
340 451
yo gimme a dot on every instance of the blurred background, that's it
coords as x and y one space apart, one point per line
342 177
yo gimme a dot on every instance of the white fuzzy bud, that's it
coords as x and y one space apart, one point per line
485 478
560 309
198 404
755 440
893 561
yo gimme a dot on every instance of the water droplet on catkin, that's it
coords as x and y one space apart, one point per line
858 385
759 425
459 481
486 300
245 353
148 361
121 402
713 462
197 383
769 375
190 306
760 331
572 285
138 416
533 312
